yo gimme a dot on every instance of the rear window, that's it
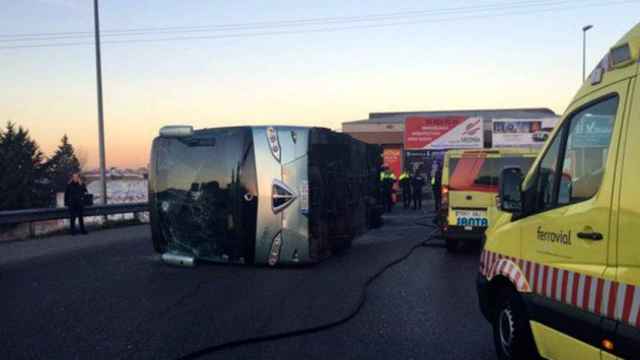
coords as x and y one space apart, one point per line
477 173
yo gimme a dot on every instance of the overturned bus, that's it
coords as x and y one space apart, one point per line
261 195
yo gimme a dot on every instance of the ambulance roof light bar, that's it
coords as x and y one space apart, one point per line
621 56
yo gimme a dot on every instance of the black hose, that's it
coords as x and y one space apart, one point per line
427 221
313 329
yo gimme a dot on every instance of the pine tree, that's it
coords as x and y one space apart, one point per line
62 165
23 182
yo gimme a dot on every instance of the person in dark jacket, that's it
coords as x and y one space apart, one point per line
74 200
417 183
405 185
437 189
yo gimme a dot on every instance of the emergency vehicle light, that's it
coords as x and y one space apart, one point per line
176 131
621 56
444 201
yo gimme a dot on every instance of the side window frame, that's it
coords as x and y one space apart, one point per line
555 186
595 102
563 132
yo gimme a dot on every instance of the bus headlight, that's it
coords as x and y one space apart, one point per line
276 245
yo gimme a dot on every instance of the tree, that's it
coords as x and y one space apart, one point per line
23 182
62 165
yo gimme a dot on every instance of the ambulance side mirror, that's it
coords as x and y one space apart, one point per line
510 195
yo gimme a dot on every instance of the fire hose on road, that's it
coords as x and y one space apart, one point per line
426 221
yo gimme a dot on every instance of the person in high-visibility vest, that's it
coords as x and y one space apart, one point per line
405 185
387 179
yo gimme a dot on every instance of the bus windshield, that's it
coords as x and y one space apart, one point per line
200 183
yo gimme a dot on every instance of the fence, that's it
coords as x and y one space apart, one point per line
34 215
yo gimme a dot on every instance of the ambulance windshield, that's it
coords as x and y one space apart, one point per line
480 173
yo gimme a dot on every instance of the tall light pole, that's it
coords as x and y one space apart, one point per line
584 49
103 175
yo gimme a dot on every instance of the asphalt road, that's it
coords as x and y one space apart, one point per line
107 296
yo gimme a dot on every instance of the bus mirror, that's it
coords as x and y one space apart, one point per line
510 196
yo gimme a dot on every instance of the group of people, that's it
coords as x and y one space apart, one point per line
411 186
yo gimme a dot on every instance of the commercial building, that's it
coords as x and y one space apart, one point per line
402 149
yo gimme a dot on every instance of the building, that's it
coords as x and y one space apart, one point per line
387 129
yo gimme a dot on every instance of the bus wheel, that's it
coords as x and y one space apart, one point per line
452 244
511 331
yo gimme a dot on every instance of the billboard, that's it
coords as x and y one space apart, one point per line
445 132
522 132
392 158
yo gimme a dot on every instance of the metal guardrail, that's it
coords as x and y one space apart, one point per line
32 215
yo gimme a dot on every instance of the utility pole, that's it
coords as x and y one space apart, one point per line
103 175
584 50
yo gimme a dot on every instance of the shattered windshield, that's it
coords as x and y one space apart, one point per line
201 183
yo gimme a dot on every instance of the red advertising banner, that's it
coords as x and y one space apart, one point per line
445 132
392 158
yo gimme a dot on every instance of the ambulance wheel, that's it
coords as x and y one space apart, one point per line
452 244
511 330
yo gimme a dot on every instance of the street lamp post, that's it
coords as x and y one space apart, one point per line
584 49
103 176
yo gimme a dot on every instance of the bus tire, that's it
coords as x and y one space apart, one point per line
512 334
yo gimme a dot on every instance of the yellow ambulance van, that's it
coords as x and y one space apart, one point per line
469 189
560 271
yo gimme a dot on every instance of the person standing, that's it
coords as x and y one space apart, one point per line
74 200
387 179
417 183
405 185
436 183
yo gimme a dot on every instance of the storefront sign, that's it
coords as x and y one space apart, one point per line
439 133
392 158
522 132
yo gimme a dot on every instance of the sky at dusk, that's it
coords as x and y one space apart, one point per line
430 55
